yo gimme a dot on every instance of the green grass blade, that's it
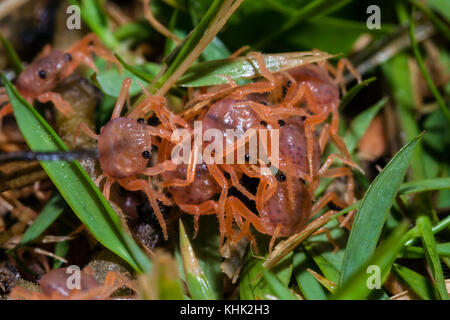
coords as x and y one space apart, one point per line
74 184
147 77
61 250
372 213
51 211
357 286
415 281
310 288
11 54
424 185
198 285
207 250
440 101
354 91
188 51
443 250
278 288
429 243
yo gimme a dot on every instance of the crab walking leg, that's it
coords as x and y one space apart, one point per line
190 171
222 182
63 106
324 201
121 99
142 185
84 127
235 181
206 208
159 168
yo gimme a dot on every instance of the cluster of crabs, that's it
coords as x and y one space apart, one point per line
279 201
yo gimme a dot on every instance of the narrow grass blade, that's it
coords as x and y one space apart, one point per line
411 252
61 250
415 281
440 101
207 250
372 213
184 55
425 185
278 288
429 244
354 91
163 282
74 184
310 288
197 283
51 211
365 279
147 77
329 285
11 54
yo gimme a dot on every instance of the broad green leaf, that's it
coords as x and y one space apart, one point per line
277 287
51 211
374 271
429 243
110 80
418 283
372 213
74 184
198 285
441 6
310 288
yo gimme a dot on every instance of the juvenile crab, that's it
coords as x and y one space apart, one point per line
54 286
52 66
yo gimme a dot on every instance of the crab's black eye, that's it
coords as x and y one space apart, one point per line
141 121
247 157
281 177
146 154
263 123
281 123
68 57
42 74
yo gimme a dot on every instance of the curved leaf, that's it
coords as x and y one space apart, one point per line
75 185
374 208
